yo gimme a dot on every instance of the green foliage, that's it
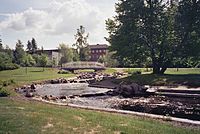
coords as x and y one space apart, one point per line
1 45
6 62
43 60
28 60
64 72
6 83
154 33
82 44
76 56
109 60
67 54
84 54
188 27
133 71
19 53
34 45
9 66
29 46
4 92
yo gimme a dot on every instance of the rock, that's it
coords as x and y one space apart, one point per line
33 86
63 97
29 94
17 89
65 81
131 90
45 97
32 90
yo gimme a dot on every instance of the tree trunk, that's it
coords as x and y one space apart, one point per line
157 69
163 69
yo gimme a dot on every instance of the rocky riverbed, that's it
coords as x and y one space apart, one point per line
130 97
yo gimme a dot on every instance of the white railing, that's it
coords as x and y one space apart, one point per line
82 64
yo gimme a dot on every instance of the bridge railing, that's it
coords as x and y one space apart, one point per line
83 65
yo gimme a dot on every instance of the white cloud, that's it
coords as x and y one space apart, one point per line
58 18
57 22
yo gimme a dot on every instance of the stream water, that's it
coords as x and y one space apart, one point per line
68 89
177 107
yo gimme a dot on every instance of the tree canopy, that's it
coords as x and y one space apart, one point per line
146 31
81 44
67 53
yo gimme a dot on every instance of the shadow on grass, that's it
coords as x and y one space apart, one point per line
190 80
37 71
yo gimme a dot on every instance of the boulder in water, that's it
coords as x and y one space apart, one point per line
131 90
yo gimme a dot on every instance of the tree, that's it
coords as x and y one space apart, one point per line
67 54
75 55
29 46
43 60
34 45
1 45
6 62
84 54
143 29
28 61
19 53
188 28
10 52
109 60
81 43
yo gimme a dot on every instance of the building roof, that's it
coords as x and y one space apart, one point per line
98 46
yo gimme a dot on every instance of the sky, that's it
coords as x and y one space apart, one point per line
52 22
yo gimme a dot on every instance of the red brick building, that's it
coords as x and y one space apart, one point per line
96 51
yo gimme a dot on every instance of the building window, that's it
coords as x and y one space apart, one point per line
99 51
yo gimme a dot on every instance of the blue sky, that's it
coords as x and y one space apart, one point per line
53 21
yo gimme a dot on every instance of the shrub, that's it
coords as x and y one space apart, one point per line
4 92
134 71
8 66
63 72
7 83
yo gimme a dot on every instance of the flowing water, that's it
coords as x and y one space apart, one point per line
178 107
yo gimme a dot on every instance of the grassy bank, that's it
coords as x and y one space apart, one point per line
12 78
184 76
20 117
33 74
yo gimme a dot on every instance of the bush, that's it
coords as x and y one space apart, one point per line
4 92
134 71
6 83
8 66
64 72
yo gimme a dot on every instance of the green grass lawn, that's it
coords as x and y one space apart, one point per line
33 74
20 117
19 77
184 76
